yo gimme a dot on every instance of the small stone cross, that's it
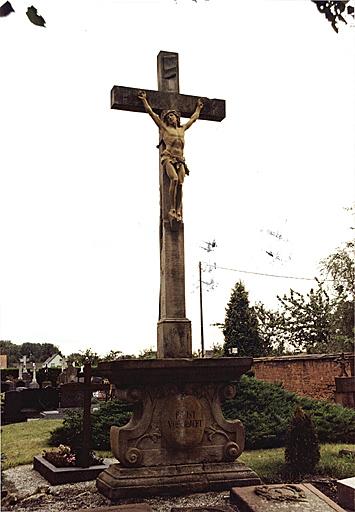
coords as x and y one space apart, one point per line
24 361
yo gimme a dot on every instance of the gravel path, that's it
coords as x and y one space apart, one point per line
34 494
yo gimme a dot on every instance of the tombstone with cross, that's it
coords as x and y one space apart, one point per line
23 361
177 434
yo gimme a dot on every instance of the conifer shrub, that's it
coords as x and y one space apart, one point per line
302 447
70 433
266 409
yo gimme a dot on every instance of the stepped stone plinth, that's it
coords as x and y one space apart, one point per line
177 440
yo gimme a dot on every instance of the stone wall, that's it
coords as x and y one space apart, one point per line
308 375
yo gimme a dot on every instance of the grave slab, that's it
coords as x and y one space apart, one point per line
56 476
346 493
51 415
285 497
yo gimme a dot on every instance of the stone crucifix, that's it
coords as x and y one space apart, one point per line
165 106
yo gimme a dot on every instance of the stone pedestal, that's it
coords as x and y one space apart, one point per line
118 482
174 337
177 440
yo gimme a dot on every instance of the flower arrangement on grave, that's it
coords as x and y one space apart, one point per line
61 457
64 457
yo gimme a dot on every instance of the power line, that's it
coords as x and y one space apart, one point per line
267 275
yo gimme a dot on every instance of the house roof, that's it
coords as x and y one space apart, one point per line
50 359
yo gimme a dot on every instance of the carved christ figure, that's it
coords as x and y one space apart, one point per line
172 155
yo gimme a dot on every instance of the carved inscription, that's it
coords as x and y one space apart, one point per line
182 421
185 419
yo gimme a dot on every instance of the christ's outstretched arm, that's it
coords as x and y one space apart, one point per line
195 115
143 96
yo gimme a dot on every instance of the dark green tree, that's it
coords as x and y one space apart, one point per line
340 267
113 355
11 350
35 352
84 356
147 353
302 447
240 327
271 326
308 319
75 358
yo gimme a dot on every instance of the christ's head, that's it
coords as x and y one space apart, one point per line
171 118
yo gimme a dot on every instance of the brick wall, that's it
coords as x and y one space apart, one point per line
308 375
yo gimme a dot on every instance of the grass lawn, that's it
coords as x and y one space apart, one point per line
22 441
269 464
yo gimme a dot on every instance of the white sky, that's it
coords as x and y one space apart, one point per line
79 200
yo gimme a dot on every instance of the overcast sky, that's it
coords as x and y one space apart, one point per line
79 204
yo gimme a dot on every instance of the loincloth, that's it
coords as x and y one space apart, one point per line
176 161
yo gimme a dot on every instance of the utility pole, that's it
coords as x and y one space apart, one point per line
201 312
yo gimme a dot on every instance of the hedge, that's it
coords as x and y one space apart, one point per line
265 410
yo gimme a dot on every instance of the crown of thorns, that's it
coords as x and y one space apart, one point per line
169 111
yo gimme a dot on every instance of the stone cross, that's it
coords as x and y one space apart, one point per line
24 361
174 329
34 384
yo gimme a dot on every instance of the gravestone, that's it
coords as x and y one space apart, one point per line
8 384
24 403
26 378
285 497
23 361
71 395
70 390
5 386
20 371
46 382
68 375
345 384
177 440
346 493
34 384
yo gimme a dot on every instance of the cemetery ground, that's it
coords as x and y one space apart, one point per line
22 441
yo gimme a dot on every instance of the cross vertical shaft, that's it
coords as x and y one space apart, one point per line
174 329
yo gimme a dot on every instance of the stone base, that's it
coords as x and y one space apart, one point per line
118 482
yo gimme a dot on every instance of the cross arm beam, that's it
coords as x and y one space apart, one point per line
126 98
